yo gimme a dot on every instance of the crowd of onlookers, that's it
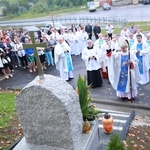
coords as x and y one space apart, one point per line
13 54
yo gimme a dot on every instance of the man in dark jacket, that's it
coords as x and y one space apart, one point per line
96 30
88 29
49 32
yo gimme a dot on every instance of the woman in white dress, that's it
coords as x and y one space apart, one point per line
76 47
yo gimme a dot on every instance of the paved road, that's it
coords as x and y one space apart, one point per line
130 12
104 95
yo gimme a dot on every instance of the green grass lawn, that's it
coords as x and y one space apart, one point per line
30 14
10 127
7 108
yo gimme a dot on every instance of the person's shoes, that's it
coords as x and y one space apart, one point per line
30 71
123 98
12 70
6 77
52 64
34 70
11 75
70 78
48 64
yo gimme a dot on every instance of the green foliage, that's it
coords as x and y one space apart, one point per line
23 3
6 107
115 143
85 101
39 8
38 5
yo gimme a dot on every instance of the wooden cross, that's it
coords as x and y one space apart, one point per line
53 21
34 46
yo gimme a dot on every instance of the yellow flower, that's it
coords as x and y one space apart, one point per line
90 98
77 90
88 92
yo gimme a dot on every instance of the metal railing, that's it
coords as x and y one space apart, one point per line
119 22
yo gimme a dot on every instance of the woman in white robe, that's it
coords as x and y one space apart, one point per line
71 41
79 35
76 47
84 37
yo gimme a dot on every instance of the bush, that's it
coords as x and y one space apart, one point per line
115 143
39 8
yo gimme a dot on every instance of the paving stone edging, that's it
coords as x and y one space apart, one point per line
128 105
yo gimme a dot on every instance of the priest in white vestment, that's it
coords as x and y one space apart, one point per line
125 32
137 33
99 41
63 59
131 40
91 57
119 67
103 50
148 42
141 49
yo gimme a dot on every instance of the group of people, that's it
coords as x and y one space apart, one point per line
124 60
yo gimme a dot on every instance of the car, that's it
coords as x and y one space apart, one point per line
106 6
58 25
92 8
140 1
31 28
145 2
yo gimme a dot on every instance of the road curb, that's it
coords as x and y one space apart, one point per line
127 125
108 102
2 78
128 105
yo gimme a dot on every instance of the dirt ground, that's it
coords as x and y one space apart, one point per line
11 133
138 135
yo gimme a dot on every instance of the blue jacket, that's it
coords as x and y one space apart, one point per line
29 51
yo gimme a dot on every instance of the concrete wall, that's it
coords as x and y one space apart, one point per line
105 1
121 2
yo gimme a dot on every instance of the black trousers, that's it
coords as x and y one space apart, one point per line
94 78
24 61
110 35
90 36
96 36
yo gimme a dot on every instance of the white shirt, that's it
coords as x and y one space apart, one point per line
20 50
110 29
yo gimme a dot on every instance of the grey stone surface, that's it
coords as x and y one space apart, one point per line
50 114
88 141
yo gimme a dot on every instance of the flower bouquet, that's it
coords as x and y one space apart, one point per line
89 111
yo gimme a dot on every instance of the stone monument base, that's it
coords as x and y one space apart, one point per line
89 141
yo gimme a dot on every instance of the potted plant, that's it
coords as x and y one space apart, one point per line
89 111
